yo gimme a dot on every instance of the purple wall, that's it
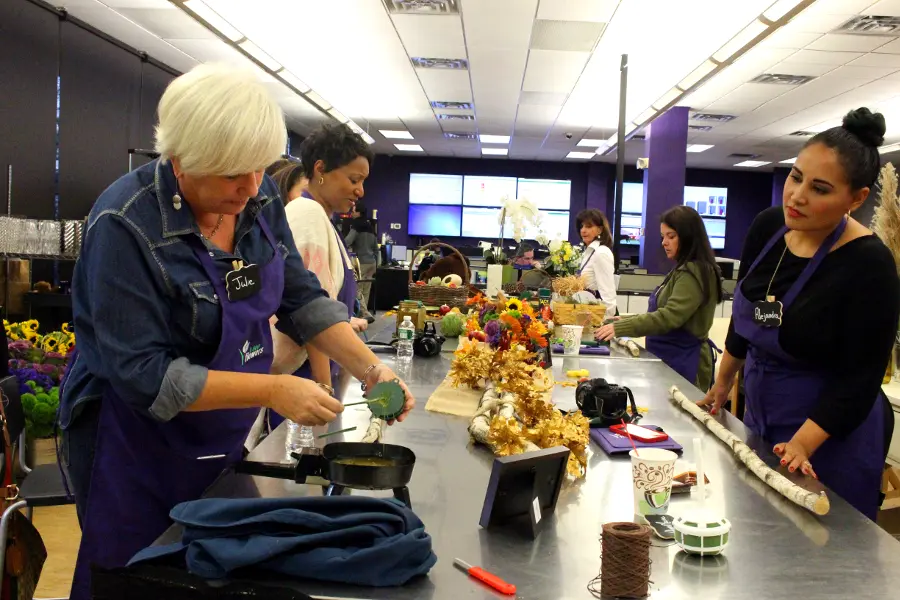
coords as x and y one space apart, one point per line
664 180
387 190
779 176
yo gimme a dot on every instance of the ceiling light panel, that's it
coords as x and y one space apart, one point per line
744 37
392 89
752 164
395 135
580 155
409 147
495 151
889 148
598 11
256 52
690 30
417 7
788 161
780 9
699 147
494 139
591 143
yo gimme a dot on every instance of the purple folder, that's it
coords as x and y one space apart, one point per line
614 443
586 350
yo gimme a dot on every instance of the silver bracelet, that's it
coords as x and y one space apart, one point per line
365 376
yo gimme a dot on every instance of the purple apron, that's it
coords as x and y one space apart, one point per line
347 296
781 391
679 348
142 468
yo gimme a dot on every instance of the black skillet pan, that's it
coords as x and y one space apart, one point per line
330 462
336 469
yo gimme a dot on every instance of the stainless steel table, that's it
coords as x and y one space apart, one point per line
777 549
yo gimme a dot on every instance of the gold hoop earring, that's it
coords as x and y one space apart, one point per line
321 180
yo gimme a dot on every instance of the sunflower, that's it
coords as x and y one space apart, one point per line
514 304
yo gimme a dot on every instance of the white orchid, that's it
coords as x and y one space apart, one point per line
555 245
520 212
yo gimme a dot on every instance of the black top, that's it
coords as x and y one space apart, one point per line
843 321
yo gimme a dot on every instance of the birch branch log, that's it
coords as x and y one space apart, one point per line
811 501
375 432
493 404
629 345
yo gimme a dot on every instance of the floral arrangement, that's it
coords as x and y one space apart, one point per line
504 323
503 356
564 259
518 212
39 364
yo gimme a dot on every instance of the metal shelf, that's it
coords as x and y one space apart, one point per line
37 256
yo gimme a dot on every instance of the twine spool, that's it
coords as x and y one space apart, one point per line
625 560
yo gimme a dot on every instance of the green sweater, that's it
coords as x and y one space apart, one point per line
681 304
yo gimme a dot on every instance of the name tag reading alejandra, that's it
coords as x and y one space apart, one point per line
243 282
768 312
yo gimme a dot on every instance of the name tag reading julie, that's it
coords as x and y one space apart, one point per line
768 312
243 282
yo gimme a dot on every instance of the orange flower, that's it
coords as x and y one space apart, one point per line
536 330
540 342
513 323
472 325
475 300
527 310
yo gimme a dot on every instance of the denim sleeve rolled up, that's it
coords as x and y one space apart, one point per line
146 315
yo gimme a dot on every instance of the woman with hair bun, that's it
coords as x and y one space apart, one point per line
814 319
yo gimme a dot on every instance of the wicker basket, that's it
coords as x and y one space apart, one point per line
520 286
566 314
437 295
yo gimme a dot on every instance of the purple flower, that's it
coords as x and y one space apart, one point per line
492 331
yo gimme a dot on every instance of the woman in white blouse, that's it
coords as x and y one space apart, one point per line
597 263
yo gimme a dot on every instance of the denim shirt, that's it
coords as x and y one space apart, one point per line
146 316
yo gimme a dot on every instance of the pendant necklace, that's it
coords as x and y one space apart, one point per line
215 229
769 312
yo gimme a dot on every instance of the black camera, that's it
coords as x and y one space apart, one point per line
428 343
605 403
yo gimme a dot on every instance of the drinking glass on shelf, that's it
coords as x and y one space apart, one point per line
50 238
31 241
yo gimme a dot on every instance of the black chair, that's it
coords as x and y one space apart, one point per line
40 486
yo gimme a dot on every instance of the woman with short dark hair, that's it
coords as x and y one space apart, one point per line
598 263
683 307
814 319
337 160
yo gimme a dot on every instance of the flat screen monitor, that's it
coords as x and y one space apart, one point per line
632 198
487 191
715 229
631 229
434 220
708 201
428 188
398 253
546 194
555 225
479 222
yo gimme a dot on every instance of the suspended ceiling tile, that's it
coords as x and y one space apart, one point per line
569 36
459 126
542 99
817 23
784 38
530 129
446 84
497 75
876 60
839 42
553 71
885 8
839 7
433 36
598 11
116 4
890 48
498 24
863 73
821 57
793 67
534 114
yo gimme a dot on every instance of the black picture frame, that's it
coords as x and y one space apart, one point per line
523 489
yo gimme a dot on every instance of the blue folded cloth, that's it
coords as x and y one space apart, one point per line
346 539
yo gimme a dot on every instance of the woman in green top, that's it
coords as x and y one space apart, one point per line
681 310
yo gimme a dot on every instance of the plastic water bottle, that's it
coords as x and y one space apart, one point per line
405 334
297 437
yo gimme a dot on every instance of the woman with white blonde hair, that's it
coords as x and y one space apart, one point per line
183 263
